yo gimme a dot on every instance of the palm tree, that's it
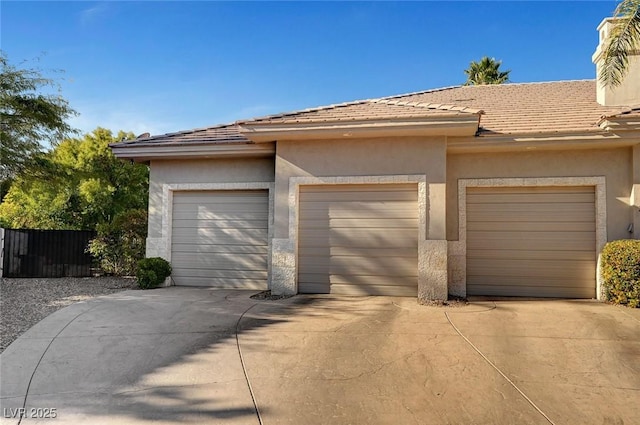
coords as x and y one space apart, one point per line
623 40
486 71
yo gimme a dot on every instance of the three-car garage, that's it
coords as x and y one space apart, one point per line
362 239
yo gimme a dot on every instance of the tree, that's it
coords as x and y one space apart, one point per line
120 244
28 117
623 40
485 71
77 185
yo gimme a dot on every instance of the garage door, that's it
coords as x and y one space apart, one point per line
358 240
534 242
219 239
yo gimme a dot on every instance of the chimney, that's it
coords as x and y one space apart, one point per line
628 92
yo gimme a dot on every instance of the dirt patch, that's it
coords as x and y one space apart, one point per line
453 301
267 296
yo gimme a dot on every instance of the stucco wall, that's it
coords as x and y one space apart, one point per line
201 171
372 157
616 165
401 160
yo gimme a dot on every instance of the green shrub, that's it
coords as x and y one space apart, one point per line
152 272
121 243
621 272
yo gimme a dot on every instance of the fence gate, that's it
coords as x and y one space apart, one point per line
46 253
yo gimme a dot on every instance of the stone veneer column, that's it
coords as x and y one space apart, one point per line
283 267
432 251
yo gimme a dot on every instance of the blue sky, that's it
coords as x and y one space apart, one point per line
170 66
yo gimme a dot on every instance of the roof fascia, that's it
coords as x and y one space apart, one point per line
519 143
186 151
448 125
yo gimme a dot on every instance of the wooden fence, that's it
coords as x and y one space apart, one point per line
45 253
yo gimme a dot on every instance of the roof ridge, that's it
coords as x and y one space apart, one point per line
439 89
395 96
427 105
543 82
306 110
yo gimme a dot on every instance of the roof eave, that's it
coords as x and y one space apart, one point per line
191 151
622 123
542 142
455 125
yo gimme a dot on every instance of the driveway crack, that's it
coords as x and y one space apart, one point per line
498 370
244 368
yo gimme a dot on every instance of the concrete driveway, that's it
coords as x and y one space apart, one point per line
176 356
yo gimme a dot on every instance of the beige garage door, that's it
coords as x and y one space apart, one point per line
358 240
219 239
537 242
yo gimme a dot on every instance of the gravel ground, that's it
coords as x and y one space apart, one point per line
24 302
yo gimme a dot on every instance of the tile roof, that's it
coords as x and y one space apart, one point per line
526 108
219 134
371 110
521 108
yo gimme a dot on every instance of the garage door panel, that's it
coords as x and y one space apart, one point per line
232 274
356 251
223 283
535 291
534 268
359 189
535 207
530 190
218 209
218 224
375 280
367 213
531 241
518 226
347 196
354 223
199 197
362 290
529 254
533 216
221 261
231 215
540 245
525 236
358 237
528 281
355 207
224 249
394 266
525 198
219 238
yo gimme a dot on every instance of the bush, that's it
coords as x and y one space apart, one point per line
621 272
152 272
121 243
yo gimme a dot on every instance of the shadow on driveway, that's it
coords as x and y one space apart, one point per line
174 355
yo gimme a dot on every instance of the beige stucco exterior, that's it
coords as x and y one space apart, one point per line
440 175
628 92
615 165
377 161
167 176
441 148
